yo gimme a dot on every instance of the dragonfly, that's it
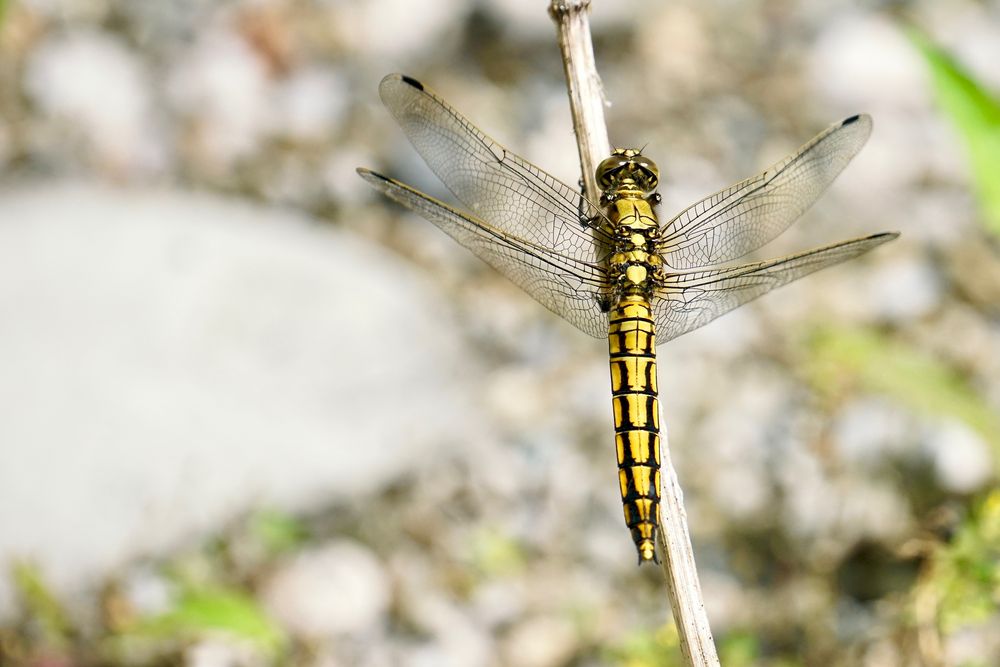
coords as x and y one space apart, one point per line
610 267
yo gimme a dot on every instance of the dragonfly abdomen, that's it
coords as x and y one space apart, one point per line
632 344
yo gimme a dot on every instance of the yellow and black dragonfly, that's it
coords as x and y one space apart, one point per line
610 267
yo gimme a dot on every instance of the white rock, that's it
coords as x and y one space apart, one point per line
922 213
399 32
810 502
962 459
172 360
91 81
223 87
540 642
685 68
310 103
148 592
866 58
881 653
726 600
516 396
427 655
458 640
68 10
549 145
871 509
339 588
969 644
972 34
220 653
724 338
740 491
738 434
864 62
904 288
499 601
340 177
606 544
868 429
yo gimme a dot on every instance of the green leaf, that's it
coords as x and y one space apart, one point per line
495 553
739 649
975 112
648 648
200 612
966 571
278 532
876 363
41 605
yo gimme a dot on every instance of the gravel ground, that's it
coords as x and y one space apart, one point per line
238 385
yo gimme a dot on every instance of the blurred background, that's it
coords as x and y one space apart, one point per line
252 414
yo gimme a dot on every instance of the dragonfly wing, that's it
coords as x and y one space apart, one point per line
569 287
690 300
745 216
505 191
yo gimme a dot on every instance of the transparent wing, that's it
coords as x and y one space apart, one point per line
745 216
690 300
569 287
498 187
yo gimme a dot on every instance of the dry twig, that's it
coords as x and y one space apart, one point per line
587 104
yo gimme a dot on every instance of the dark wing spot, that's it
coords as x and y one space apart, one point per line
371 176
848 121
419 86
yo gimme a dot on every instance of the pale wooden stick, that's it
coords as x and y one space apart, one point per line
586 97
680 570
586 94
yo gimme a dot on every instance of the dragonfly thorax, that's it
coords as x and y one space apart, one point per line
628 179
635 265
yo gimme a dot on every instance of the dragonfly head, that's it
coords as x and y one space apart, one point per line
628 168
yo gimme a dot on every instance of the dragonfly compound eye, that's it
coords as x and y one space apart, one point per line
647 175
628 166
609 171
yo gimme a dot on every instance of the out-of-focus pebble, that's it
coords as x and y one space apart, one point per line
962 460
543 641
222 86
203 357
338 588
310 104
905 289
866 57
869 429
94 84
220 653
969 644
399 32
458 640
148 592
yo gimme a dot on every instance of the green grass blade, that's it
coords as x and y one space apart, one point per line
41 605
200 612
876 363
975 112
